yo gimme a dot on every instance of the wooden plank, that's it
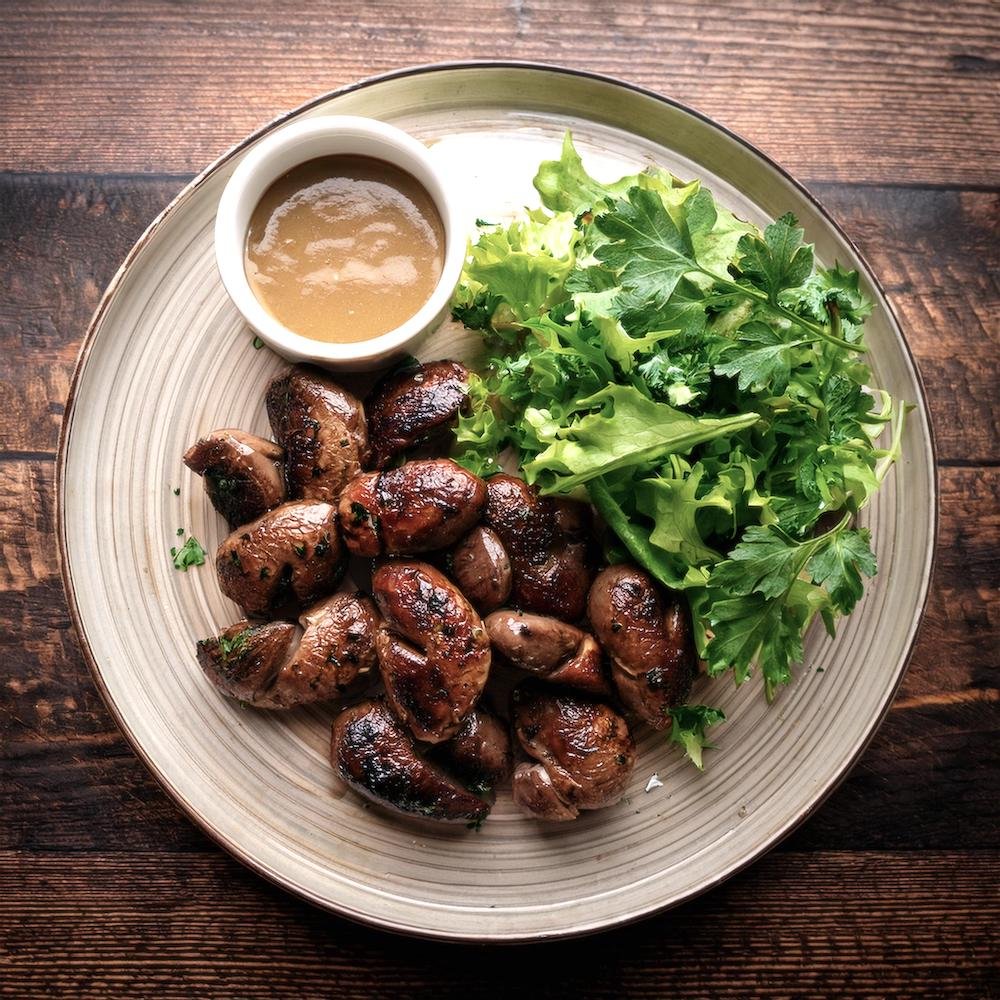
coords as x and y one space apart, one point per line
938 252
902 91
866 924
69 781
61 241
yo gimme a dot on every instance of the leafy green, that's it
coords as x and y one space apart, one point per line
760 603
189 554
760 359
688 725
839 566
776 261
566 187
479 435
524 266
646 248
674 505
233 646
628 429
701 382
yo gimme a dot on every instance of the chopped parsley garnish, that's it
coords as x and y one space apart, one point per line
231 647
189 554
687 728
257 343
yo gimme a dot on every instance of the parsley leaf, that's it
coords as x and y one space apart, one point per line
760 360
777 261
646 246
688 726
189 554
839 566
234 646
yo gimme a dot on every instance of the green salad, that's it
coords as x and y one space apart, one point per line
702 383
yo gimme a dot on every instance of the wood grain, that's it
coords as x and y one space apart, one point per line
905 91
928 780
863 924
888 111
937 252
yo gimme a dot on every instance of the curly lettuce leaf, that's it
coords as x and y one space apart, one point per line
565 186
524 266
627 429
674 506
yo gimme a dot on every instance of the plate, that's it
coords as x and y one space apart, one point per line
167 358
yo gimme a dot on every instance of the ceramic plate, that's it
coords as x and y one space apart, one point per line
167 359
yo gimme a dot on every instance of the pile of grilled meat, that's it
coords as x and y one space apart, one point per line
469 577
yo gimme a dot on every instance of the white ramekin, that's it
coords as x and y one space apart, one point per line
274 156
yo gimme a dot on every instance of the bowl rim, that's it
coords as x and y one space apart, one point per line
265 163
584 928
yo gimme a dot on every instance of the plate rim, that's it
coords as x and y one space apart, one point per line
584 927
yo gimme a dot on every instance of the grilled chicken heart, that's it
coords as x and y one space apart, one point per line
289 557
280 665
582 751
479 752
647 634
548 544
241 471
376 756
414 406
551 649
479 564
322 428
420 506
433 651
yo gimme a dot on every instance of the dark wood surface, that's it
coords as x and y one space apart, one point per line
888 112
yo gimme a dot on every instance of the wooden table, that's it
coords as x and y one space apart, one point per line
888 112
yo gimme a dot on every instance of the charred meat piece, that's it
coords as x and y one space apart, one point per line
289 557
245 658
375 755
549 648
548 543
242 473
536 795
583 749
337 647
479 752
420 506
647 634
433 651
358 515
277 665
481 568
414 406
322 429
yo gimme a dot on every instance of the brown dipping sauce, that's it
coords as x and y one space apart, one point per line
344 248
